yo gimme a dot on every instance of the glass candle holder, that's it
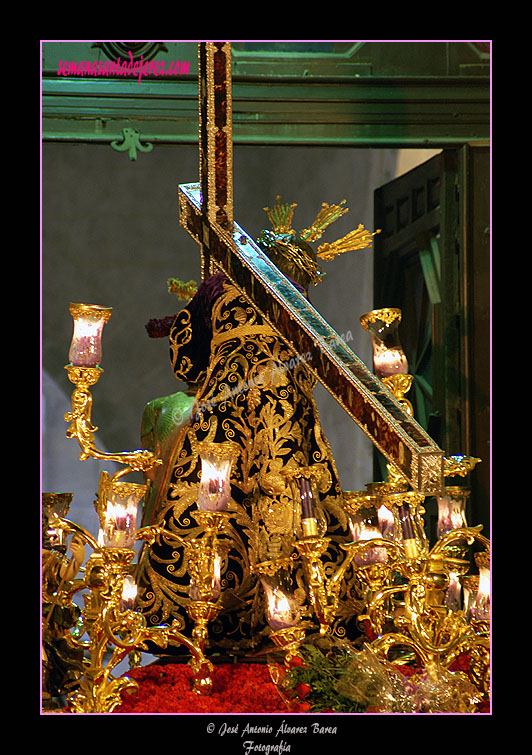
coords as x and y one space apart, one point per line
377 555
469 584
386 522
481 610
86 345
408 523
217 461
452 509
281 608
119 503
364 525
388 355
453 595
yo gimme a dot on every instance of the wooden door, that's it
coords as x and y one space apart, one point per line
432 260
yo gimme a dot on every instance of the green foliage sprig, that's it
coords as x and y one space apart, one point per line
313 678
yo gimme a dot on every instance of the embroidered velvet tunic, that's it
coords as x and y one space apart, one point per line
258 394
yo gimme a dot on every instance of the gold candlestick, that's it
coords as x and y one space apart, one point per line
110 622
435 633
311 550
81 426
289 640
204 556
84 371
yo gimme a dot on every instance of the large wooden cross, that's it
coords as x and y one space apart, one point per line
206 212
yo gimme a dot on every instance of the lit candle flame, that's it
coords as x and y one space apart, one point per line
389 361
120 525
129 593
362 532
482 603
280 613
214 490
386 521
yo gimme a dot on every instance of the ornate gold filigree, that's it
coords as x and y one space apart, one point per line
254 395
436 634
387 315
398 385
311 550
289 640
81 426
459 466
79 310
110 626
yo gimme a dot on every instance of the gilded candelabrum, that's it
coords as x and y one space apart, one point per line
62 665
111 623
310 527
436 634
205 554
405 610
108 618
403 583
84 371
324 591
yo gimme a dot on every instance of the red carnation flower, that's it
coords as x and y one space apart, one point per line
302 689
297 661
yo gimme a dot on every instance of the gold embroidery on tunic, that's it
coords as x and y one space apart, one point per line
250 396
